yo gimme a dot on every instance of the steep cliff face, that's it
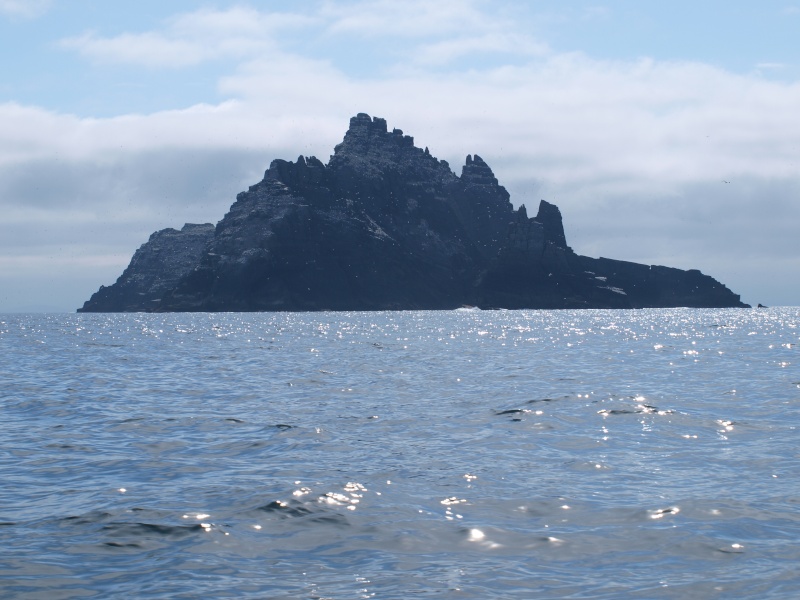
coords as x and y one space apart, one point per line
385 225
156 267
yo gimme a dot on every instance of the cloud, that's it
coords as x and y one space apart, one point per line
635 152
147 49
445 52
770 66
634 125
26 9
410 18
190 39
205 35
442 31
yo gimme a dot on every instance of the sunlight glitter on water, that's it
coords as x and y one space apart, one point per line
490 422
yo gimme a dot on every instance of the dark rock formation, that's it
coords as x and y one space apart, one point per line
156 267
383 226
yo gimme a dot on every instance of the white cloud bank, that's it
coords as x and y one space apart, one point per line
673 163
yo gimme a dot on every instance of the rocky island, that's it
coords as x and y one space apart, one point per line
386 226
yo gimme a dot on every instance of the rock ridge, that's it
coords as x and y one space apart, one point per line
385 225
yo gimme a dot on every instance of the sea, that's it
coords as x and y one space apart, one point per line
592 454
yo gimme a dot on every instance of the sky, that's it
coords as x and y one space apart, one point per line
666 132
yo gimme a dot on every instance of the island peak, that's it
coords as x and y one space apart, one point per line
385 225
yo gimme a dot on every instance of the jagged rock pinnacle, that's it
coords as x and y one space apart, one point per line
476 171
385 225
550 217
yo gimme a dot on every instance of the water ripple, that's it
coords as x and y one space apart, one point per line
476 454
